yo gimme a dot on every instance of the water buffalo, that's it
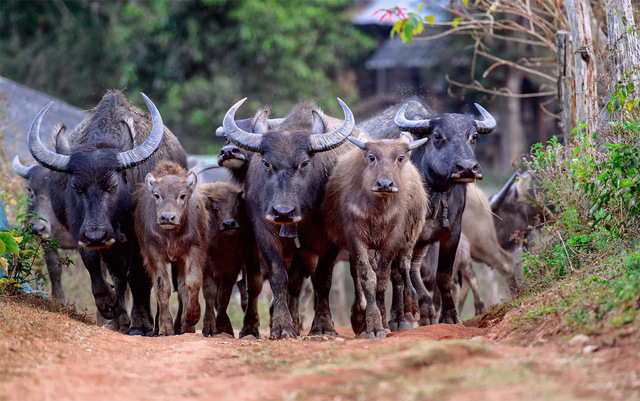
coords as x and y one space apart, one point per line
375 206
172 225
231 251
447 161
43 222
91 189
284 187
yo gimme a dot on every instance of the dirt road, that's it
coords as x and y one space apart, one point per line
68 360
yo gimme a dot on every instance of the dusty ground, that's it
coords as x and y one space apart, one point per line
57 358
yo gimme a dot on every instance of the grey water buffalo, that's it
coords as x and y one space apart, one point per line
44 223
91 188
172 224
231 251
375 206
447 162
284 186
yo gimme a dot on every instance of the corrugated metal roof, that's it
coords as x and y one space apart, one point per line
395 54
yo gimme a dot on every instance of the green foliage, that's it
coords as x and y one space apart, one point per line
21 253
193 58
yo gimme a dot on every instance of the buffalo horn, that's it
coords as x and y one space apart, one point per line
488 124
20 169
415 144
333 139
199 169
145 150
271 122
357 142
240 137
402 121
497 199
51 160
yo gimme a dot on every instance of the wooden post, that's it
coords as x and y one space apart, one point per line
566 98
584 63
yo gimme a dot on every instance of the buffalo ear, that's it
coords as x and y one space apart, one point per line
260 125
317 126
192 181
59 133
150 180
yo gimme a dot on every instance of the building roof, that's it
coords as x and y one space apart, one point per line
395 54
18 107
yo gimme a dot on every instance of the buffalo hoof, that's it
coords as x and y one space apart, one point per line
376 335
323 331
393 326
451 319
208 334
136 332
249 332
108 312
282 332
425 321
404 325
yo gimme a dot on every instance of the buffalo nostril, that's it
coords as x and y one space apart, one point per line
229 225
384 185
167 218
95 236
283 210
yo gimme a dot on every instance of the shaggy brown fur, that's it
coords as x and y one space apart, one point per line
231 251
172 226
375 207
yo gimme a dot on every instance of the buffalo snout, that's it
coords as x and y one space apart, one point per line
231 156
229 225
384 186
284 214
168 218
466 171
40 230
96 238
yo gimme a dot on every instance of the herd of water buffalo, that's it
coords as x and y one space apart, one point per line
307 190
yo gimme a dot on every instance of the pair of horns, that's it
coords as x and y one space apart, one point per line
319 142
484 126
130 158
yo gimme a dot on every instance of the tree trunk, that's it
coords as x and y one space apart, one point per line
624 46
585 71
566 83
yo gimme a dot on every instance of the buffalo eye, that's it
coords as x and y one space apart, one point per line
372 158
216 211
400 158
183 196
267 165
474 137
304 164
437 136
156 196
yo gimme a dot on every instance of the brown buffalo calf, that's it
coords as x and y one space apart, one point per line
231 247
171 223
375 207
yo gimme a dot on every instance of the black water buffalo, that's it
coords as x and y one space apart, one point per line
45 225
375 206
91 189
284 187
447 161
172 226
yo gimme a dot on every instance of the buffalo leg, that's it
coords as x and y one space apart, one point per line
226 283
297 275
253 277
55 275
383 274
105 298
444 279
427 311
322 278
210 293
471 279
140 285
162 284
359 302
281 323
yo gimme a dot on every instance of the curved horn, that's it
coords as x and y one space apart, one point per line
21 169
51 160
497 199
237 135
333 139
202 168
271 123
357 142
418 143
402 121
488 124
146 149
